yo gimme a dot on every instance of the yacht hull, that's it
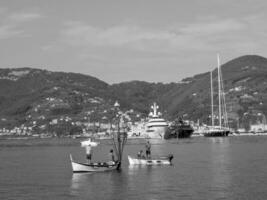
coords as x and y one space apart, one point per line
218 133
156 132
179 131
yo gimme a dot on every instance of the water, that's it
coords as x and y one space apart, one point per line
204 168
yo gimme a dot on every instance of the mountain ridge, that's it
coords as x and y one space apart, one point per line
59 93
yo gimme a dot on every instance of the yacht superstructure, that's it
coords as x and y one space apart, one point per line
156 126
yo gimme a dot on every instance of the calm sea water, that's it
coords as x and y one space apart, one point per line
204 168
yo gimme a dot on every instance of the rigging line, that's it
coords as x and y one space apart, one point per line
219 90
124 142
115 146
212 106
224 103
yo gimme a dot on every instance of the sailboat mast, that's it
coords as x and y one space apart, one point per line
219 91
211 93
119 138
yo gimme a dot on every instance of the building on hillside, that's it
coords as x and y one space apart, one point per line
258 128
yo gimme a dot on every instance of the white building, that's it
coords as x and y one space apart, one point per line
258 128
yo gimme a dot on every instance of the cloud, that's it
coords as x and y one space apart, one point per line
78 33
212 27
10 24
24 17
195 35
7 31
127 44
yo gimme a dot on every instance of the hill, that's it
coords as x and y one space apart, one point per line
38 96
245 85
29 94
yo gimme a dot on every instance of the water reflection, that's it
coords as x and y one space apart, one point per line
78 182
220 167
220 140
135 169
99 185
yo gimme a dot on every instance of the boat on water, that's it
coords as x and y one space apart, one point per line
119 139
216 132
220 130
179 129
78 167
164 160
156 126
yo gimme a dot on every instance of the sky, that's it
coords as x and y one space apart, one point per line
124 40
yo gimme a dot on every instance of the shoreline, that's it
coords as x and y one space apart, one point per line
13 137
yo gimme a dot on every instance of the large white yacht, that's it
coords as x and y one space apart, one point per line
156 126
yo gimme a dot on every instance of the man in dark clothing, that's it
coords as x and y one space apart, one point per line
148 150
111 155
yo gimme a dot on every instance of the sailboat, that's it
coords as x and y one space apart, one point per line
119 139
221 130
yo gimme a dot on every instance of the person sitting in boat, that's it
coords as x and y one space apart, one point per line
140 154
111 155
148 150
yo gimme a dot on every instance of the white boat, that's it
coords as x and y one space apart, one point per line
156 126
119 139
92 167
166 160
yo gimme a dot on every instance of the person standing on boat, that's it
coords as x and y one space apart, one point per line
88 144
88 150
111 155
148 150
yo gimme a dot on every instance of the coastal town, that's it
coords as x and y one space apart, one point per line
87 125
74 105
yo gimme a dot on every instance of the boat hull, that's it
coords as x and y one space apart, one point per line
94 167
218 133
156 132
137 161
179 131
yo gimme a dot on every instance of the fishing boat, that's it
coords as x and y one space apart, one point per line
78 167
220 130
164 160
119 139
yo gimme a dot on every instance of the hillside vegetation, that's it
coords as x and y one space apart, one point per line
28 95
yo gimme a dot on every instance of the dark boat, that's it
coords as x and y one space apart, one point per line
217 132
179 129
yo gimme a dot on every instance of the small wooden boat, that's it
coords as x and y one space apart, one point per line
92 167
165 160
119 139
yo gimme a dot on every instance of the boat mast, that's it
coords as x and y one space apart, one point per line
211 92
119 137
219 91
155 107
